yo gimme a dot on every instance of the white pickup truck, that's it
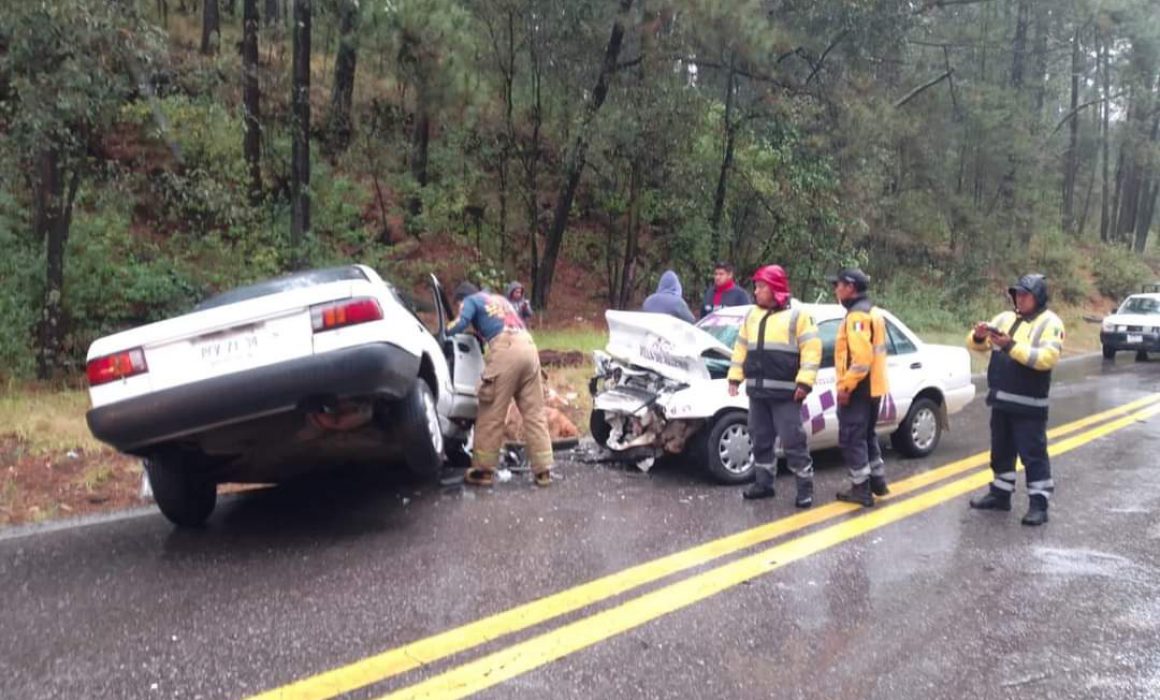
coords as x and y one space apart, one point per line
661 388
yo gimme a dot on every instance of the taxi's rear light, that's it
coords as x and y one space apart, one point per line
326 317
110 368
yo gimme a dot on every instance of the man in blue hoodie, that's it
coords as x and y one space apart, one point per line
668 300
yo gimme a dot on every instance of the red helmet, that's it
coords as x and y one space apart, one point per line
774 276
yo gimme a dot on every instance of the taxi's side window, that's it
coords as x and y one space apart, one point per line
828 332
899 344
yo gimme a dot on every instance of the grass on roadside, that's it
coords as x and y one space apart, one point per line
47 420
582 338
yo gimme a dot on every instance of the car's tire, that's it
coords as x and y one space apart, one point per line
1141 356
1109 353
722 447
183 495
919 433
599 427
417 421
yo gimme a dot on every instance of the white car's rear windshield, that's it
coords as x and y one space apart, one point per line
297 280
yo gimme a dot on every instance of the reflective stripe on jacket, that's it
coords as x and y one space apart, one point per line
770 358
860 350
1019 378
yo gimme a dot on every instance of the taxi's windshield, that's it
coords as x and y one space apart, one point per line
723 328
1141 305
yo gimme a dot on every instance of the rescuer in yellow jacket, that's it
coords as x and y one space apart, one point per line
1025 345
777 355
860 362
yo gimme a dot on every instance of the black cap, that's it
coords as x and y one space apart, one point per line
851 275
464 290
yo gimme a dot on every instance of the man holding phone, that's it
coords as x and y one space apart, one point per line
1025 345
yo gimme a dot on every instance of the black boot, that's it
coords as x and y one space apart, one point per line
858 493
805 492
994 499
878 485
1037 513
762 486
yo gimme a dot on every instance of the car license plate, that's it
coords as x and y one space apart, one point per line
1135 338
230 348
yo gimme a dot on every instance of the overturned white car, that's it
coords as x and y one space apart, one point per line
660 388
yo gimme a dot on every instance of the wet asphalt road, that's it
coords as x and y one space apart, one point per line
291 582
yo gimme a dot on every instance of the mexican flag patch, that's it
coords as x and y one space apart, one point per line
859 326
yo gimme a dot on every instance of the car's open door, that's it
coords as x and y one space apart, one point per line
464 357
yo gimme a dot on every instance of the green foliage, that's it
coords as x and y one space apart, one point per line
1065 267
1119 272
21 268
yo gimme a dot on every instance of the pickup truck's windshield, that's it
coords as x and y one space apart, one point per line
1141 305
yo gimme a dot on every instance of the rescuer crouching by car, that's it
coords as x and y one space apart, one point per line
777 354
511 371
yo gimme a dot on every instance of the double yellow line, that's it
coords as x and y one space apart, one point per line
520 658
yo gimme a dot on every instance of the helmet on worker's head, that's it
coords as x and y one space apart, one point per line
1034 284
775 278
851 275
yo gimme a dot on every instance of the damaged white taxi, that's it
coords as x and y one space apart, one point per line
660 389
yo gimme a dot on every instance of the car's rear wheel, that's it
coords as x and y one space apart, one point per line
418 427
599 427
1109 353
920 431
183 495
727 452
1141 356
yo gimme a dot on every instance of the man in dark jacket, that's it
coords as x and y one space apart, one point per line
668 299
1025 344
724 291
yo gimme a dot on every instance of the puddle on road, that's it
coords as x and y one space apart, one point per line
1081 562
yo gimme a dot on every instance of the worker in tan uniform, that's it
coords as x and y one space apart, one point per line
511 371
860 361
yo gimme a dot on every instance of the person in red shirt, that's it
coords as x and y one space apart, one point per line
724 292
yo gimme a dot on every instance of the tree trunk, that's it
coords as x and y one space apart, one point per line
52 217
631 234
163 13
726 165
1071 161
300 155
420 146
1019 44
272 12
577 157
1105 210
342 96
1144 217
251 94
1040 61
210 25
232 7
531 155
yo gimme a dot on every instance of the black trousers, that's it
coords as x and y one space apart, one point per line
770 419
857 438
1017 435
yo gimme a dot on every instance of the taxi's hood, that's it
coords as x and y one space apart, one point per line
666 345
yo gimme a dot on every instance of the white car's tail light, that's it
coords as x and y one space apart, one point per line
327 317
110 368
